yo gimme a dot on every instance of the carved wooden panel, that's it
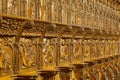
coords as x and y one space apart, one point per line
77 56
27 51
6 55
48 55
64 56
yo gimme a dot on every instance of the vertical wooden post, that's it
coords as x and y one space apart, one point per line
39 49
58 51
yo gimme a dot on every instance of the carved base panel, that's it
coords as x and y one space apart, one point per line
77 72
64 73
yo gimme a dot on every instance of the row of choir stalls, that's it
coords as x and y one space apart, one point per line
59 39
63 56
54 57
98 60
85 13
72 53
